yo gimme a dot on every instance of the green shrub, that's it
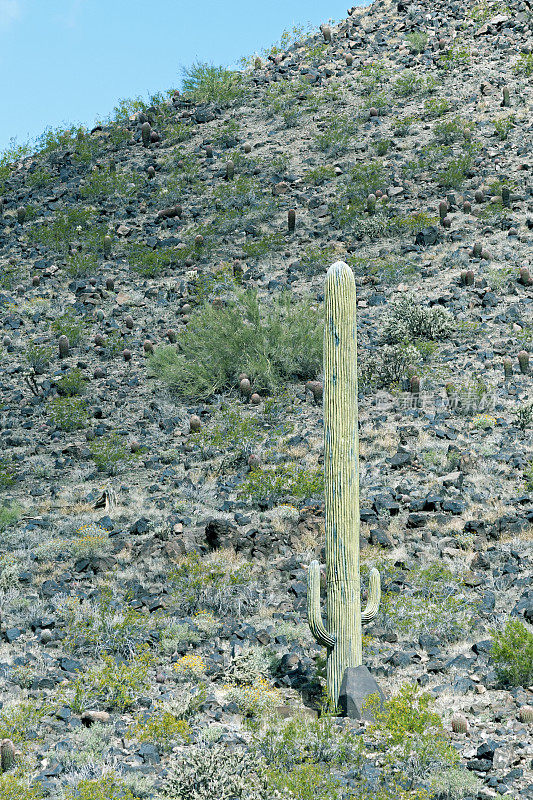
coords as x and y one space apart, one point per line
388 367
68 413
9 515
20 720
272 345
503 126
71 384
417 42
319 175
307 782
7 473
409 320
163 728
70 325
512 654
283 481
13 787
455 784
214 583
410 84
38 357
79 224
80 265
411 736
109 787
433 602
204 773
453 130
109 453
436 107
205 83
524 65
453 175
151 263
114 683
102 184
335 139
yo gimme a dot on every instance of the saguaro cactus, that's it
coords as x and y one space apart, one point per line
343 635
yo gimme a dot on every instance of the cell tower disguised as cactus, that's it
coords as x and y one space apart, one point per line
341 480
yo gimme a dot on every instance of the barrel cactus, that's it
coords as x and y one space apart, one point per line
7 755
343 635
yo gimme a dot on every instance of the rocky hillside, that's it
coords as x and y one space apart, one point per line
161 288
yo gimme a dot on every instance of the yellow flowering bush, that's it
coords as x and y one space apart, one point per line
190 664
255 699
90 540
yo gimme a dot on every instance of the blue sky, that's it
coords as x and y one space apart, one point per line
66 62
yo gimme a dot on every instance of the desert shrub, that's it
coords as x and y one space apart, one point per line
454 784
71 384
203 773
316 259
7 472
247 666
512 654
255 699
417 41
523 418
409 84
389 365
70 325
38 356
20 720
108 787
433 601
78 224
335 139
272 344
113 683
14 787
110 453
205 83
283 481
286 744
162 727
319 175
307 782
102 184
80 265
436 107
503 126
453 175
408 320
215 583
411 736
524 65
149 262
68 413
453 130
9 515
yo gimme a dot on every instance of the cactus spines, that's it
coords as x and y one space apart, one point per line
258 64
506 197
247 147
467 277
255 399
414 384
371 203
525 277
507 368
195 423
208 151
146 130
291 219
245 387
443 210
317 390
479 196
343 636
467 206
230 170
523 362
505 97
476 250
349 59
7 754
526 714
151 172
459 724
21 215
148 346
63 345
326 33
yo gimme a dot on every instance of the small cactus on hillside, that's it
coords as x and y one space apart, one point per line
7 754
291 219
523 362
525 714
459 724
64 346
146 130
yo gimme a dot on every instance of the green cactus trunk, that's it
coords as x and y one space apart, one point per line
341 480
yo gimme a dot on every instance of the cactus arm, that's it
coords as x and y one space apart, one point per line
374 596
313 607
